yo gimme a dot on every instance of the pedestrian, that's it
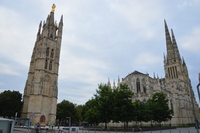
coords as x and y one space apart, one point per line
37 128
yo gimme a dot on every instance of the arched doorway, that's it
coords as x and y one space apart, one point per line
42 119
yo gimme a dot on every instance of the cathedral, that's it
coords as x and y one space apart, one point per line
41 89
176 85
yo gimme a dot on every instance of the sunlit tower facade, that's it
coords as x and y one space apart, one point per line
41 89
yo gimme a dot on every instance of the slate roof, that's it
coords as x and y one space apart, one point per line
136 72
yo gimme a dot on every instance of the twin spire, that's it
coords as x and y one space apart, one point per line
173 54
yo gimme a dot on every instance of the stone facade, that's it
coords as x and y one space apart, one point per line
41 89
176 85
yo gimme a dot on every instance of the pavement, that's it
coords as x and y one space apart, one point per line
177 130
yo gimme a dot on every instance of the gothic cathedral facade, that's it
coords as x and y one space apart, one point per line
176 85
41 89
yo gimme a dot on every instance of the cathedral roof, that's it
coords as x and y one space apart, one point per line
136 72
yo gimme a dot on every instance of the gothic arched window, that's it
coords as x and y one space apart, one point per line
145 89
46 64
46 85
144 85
50 65
42 118
47 52
52 53
138 85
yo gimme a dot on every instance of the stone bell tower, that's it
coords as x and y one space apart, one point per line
41 89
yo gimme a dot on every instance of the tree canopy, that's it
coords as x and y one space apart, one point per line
116 105
110 104
66 109
10 103
122 104
158 104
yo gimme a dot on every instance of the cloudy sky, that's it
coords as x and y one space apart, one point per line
101 39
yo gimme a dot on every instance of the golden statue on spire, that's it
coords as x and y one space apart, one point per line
53 8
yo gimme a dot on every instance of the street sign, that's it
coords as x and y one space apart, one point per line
32 116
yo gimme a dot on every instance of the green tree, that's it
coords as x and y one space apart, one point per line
122 104
10 103
159 107
92 113
110 104
104 106
66 109
139 111
79 113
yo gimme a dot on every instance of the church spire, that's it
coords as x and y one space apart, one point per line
109 84
118 83
114 87
175 67
172 49
167 35
60 27
177 54
39 29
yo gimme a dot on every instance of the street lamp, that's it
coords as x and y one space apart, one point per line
198 88
195 117
69 121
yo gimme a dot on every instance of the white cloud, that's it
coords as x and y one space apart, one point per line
185 3
81 69
16 37
140 15
192 42
8 69
77 95
188 3
147 59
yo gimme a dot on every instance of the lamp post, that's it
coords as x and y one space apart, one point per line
15 115
69 122
195 117
198 88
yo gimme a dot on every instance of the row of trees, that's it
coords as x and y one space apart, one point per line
116 105
106 105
